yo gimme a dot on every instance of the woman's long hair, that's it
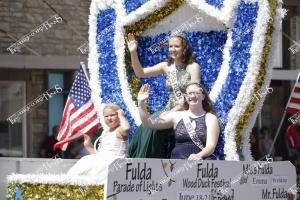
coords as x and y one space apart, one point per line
188 56
207 103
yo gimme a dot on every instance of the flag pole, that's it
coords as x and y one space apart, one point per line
277 133
85 73
87 77
84 70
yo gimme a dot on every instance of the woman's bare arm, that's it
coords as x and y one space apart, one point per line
213 131
194 71
163 122
88 144
124 124
136 64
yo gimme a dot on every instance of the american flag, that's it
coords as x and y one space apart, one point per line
79 116
293 105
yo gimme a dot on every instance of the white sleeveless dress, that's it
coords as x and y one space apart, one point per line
96 165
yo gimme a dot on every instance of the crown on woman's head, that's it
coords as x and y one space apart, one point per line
165 43
177 33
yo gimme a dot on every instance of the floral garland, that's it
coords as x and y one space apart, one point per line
254 66
238 66
48 186
93 64
105 76
230 82
216 3
224 13
131 5
157 15
277 13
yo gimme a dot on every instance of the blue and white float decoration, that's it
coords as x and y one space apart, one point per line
232 41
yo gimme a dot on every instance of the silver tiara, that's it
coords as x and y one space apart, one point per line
177 33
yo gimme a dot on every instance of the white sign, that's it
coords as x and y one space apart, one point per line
169 179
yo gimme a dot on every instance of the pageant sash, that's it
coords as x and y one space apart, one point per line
192 133
174 83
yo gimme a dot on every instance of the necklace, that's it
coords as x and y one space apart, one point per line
180 67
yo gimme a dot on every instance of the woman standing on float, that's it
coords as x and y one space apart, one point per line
180 69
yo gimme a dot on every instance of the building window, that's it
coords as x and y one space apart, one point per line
12 132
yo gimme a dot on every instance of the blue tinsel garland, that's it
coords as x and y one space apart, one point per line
206 47
246 18
216 3
110 83
132 5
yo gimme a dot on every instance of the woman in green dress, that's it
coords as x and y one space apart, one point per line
180 69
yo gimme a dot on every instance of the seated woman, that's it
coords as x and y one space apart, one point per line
196 130
113 144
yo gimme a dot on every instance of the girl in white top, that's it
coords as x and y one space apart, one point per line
113 143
